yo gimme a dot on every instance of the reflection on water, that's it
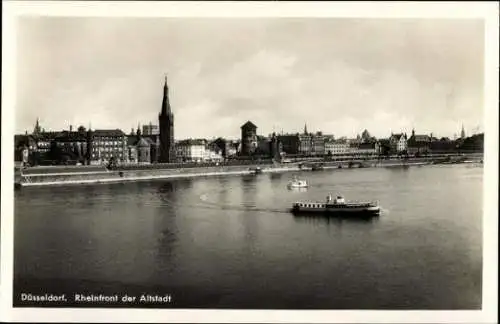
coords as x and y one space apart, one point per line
334 220
276 176
232 241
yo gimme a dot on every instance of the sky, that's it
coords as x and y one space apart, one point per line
337 75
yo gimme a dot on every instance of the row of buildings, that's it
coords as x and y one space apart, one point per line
319 144
155 143
144 145
98 146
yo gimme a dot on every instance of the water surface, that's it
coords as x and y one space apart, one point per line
230 242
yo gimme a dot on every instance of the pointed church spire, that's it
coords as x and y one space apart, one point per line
305 129
165 106
166 126
462 133
36 130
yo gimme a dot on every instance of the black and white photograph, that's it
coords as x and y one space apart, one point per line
275 161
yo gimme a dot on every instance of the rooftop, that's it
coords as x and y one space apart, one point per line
397 136
197 141
249 125
108 132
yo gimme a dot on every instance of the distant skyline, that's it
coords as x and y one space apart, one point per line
337 75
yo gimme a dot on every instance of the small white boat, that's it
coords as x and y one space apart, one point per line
256 170
295 183
337 206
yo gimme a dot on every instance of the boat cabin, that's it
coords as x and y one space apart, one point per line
337 201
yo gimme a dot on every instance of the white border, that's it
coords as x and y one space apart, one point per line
486 10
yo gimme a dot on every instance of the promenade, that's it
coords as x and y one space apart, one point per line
62 175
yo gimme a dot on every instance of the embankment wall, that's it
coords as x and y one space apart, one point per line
60 178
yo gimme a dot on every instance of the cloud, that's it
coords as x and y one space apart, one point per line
337 75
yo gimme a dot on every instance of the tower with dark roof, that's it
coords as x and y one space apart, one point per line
166 119
248 138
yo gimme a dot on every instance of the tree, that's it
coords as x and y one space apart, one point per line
365 136
473 143
81 129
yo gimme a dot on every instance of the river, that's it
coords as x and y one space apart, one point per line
230 242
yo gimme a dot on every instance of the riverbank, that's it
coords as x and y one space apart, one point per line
34 178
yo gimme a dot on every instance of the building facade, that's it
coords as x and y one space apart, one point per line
369 148
263 146
191 150
318 145
106 144
419 144
150 130
249 141
222 146
71 146
197 150
132 149
166 120
276 147
289 143
336 147
398 143
144 150
233 147
312 144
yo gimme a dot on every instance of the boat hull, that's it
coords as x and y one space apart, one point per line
350 211
297 186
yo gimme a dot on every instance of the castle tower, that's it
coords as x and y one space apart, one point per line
248 138
166 119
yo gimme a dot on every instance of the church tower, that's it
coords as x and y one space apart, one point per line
166 119
37 129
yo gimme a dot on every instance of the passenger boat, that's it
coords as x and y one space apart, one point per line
295 183
337 206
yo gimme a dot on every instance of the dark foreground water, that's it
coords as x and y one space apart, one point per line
229 242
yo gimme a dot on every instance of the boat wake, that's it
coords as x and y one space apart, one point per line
245 206
384 211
